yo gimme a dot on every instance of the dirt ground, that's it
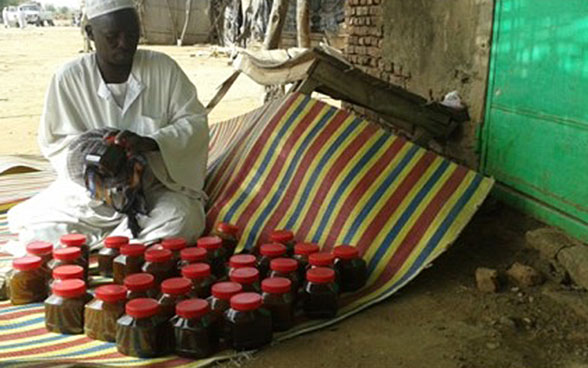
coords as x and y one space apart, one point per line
439 320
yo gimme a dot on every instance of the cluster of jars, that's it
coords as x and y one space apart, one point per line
189 300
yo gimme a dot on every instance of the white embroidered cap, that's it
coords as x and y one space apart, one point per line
96 8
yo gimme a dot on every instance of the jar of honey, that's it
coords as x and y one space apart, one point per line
42 250
68 256
130 261
215 254
279 300
76 240
229 235
27 280
109 252
66 272
192 255
320 298
248 325
287 268
285 237
240 261
103 311
64 308
267 252
159 263
175 245
301 253
195 329
141 285
201 277
220 300
173 291
248 277
141 332
351 268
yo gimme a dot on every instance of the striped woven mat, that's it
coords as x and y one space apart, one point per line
329 176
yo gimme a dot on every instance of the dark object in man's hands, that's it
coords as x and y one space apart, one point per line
107 159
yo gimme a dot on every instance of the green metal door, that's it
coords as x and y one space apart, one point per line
535 137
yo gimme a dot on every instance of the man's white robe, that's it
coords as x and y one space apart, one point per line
160 103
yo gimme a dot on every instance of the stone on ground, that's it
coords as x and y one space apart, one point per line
524 275
487 280
575 261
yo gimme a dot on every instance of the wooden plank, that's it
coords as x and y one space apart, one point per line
276 24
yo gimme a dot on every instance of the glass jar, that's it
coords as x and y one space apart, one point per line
78 241
285 237
67 272
351 268
68 256
141 285
200 276
248 325
240 261
321 293
301 253
192 255
248 277
173 291
27 280
64 308
267 252
175 245
141 332
229 234
195 330
101 314
215 254
279 300
287 268
129 261
42 250
109 252
220 300
160 264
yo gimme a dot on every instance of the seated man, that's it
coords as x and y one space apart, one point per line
136 99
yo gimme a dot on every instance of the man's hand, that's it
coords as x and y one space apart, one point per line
131 141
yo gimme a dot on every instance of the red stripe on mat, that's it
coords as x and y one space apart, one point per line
46 349
12 315
278 165
227 193
23 334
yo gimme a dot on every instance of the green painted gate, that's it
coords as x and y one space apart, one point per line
535 137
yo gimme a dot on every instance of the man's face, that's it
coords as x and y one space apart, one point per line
115 36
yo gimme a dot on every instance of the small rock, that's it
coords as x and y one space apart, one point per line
575 261
524 275
487 280
515 289
492 345
549 241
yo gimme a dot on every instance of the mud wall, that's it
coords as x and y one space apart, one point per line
430 47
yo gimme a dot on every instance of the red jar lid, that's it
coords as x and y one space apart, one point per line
272 250
242 260
174 243
246 301
73 240
282 236
276 285
346 252
192 308
132 250
39 248
115 241
193 254
225 290
111 293
139 281
69 288
320 275
68 272
176 286
27 263
284 265
158 255
142 308
210 242
306 249
245 275
225 227
67 254
196 271
321 259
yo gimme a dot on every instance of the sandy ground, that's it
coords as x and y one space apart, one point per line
439 320
29 57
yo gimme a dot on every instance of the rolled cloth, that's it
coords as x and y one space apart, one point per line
96 8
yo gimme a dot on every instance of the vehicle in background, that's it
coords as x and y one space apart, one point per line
10 16
29 13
